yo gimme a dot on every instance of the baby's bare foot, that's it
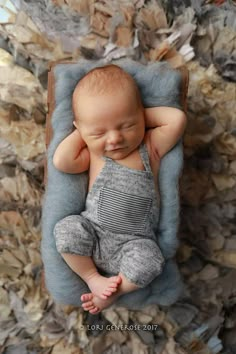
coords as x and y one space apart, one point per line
94 304
103 287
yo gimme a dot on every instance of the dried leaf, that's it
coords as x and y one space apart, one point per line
19 86
35 307
124 36
26 21
104 8
35 257
226 144
92 40
194 186
216 242
223 182
6 59
128 14
20 33
225 258
82 6
187 52
7 16
20 253
17 306
136 344
12 221
100 24
10 259
8 329
160 52
118 53
7 270
5 308
233 167
209 272
18 188
152 16
123 314
171 348
143 318
113 317
175 59
184 253
63 348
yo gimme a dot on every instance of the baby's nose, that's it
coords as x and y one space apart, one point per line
114 137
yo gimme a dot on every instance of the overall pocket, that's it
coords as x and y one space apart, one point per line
122 212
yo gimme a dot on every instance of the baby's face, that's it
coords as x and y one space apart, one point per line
111 124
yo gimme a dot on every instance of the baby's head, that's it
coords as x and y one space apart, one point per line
108 111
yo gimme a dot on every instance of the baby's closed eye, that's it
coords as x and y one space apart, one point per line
127 125
97 134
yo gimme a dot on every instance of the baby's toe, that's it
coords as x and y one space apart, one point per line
87 304
112 288
86 297
113 285
116 279
106 293
89 308
94 311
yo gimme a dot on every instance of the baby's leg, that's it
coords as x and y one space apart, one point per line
142 261
75 239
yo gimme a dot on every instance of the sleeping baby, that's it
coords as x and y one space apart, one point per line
113 244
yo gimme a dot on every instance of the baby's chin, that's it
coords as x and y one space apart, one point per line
117 154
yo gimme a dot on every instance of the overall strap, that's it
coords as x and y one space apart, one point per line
144 156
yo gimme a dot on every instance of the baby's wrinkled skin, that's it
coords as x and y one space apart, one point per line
113 124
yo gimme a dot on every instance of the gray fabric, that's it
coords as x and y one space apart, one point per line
119 226
65 193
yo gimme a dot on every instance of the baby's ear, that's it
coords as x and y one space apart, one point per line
75 124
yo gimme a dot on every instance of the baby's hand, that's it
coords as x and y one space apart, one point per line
72 155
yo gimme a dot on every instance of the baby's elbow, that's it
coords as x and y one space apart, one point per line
57 162
180 123
182 120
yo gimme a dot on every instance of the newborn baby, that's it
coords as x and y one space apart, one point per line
112 245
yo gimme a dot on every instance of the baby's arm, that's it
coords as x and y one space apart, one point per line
72 155
168 125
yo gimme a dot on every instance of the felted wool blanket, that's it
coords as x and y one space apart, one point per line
65 194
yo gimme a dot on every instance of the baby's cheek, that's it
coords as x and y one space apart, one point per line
98 145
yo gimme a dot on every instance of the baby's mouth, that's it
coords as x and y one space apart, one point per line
114 149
